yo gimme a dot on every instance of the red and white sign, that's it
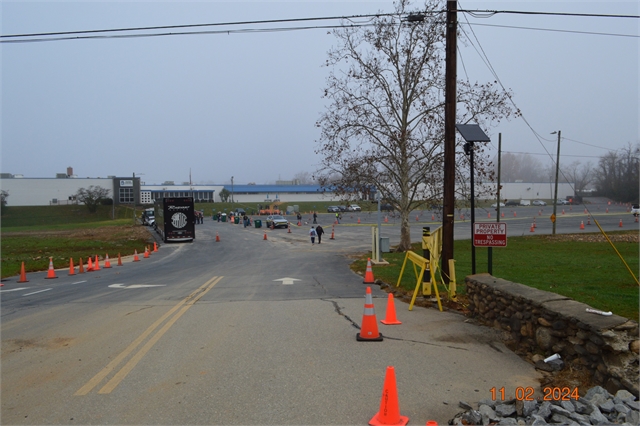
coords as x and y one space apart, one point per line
490 234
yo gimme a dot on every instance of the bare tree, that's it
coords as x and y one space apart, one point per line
524 167
384 125
303 178
92 196
579 174
618 174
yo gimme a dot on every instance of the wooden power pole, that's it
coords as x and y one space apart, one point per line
449 138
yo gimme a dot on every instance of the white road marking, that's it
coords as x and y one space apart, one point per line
79 282
36 292
13 289
287 280
135 285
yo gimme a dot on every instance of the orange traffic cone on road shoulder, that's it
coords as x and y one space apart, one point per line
51 273
390 318
89 265
368 275
265 235
358 220
155 247
620 225
332 233
217 238
80 267
72 269
96 264
146 253
135 256
369 329
532 228
23 275
107 263
119 260
389 413
582 224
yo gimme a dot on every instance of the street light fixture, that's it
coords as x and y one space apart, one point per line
472 133
555 194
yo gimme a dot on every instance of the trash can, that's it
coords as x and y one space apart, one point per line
236 220
258 223
224 217
384 244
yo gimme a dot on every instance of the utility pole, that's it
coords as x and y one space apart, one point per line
449 137
231 189
555 194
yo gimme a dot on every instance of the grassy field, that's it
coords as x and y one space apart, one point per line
34 234
583 268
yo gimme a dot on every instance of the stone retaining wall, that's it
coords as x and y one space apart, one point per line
540 322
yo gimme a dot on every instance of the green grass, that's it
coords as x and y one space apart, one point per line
589 272
49 217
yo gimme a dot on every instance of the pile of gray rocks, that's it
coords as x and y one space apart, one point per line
597 407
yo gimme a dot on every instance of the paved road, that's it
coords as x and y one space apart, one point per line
210 333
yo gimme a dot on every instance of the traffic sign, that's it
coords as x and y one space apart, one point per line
490 234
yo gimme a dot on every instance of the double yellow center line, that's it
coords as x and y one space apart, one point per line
180 308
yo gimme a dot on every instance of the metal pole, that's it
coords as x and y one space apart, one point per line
490 254
449 138
555 195
231 189
133 184
379 228
473 210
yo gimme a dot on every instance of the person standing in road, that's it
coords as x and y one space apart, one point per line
338 217
319 232
315 220
313 234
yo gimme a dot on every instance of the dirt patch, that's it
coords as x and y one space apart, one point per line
105 233
18 345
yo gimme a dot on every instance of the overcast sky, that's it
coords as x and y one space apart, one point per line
245 104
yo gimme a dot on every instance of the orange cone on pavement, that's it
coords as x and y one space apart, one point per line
96 264
51 273
146 253
265 235
369 329
386 219
332 228
80 267
107 263
390 318
72 269
368 276
289 228
532 228
582 224
89 265
135 256
620 223
23 275
514 214
433 217
155 247
217 238
489 215
359 220
389 413
119 260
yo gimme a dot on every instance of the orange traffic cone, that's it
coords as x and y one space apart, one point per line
432 423
433 217
51 273
369 330
89 265
532 228
155 247
562 211
607 210
358 220
107 263
502 214
489 215
589 220
135 256
80 267
217 238
96 264
620 223
332 234
23 275
534 223
514 214
119 260
265 235
386 219
582 224
636 219
391 318
72 269
389 413
416 218
146 253
368 275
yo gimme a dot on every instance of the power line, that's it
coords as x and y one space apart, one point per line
491 13
557 31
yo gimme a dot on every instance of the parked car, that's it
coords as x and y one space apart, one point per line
495 205
277 221
385 207
333 209
342 208
562 203
354 208
240 211
635 210
512 203
148 217
539 203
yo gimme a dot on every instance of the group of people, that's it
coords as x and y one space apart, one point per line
316 232
199 217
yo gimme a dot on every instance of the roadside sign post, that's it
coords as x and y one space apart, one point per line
490 234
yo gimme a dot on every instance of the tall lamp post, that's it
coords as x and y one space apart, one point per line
555 194
231 189
472 133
